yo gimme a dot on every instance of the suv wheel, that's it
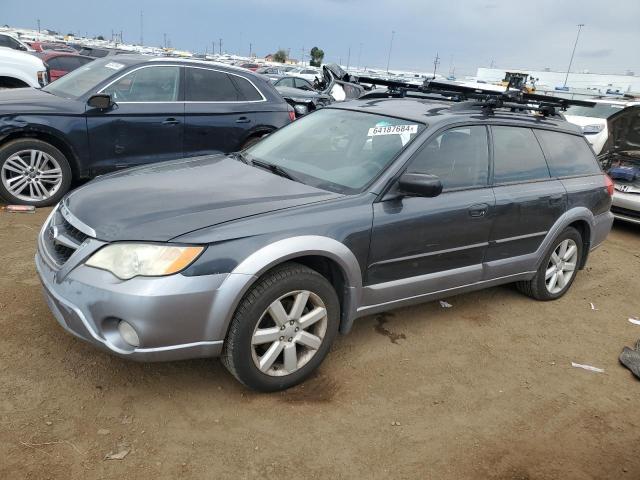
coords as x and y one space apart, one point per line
282 329
558 269
33 172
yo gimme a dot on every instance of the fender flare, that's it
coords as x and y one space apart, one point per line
240 280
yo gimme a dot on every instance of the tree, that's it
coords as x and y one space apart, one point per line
317 55
280 56
99 37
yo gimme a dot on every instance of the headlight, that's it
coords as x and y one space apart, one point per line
43 78
591 129
128 260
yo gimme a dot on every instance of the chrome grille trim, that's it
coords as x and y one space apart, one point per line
60 238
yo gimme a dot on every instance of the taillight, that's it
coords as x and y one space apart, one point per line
292 113
609 184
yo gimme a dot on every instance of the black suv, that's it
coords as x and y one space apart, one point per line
262 257
123 111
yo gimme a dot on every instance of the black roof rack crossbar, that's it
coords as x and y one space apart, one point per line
490 99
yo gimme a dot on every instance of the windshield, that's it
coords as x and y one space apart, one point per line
83 79
338 150
600 110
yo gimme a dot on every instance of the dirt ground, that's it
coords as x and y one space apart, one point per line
483 390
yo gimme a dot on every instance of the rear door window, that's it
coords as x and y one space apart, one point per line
517 156
204 85
567 155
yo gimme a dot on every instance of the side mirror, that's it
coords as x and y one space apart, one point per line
102 101
420 185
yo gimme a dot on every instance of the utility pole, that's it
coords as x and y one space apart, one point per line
165 39
436 62
302 57
393 33
220 46
349 58
38 25
580 25
213 47
250 49
141 29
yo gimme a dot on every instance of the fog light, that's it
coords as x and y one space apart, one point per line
128 334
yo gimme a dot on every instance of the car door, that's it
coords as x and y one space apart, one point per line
145 125
528 200
218 114
423 245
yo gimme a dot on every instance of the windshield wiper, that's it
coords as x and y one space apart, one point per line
273 168
240 156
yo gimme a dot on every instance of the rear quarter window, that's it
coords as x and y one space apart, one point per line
567 155
247 90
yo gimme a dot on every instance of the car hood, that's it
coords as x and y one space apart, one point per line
583 121
624 133
166 200
32 100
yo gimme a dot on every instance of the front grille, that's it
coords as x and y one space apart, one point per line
625 211
61 238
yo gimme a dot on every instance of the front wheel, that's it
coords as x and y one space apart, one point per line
33 172
282 329
558 268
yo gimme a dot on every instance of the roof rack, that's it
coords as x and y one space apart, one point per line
516 100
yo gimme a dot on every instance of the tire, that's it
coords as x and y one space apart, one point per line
251 142
45 185
542 286
256 336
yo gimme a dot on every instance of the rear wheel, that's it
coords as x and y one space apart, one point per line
33 172
282 329
558 268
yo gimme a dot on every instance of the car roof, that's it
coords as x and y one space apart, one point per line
433 111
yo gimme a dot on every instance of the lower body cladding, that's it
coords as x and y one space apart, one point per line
172 317
626 206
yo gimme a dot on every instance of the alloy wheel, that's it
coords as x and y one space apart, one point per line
561 266
31 175
289 333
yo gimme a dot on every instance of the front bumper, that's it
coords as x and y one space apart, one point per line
175 316
626 206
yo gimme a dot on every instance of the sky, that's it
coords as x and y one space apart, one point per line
465 34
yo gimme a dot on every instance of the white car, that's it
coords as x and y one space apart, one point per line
593 120
20 69
306 73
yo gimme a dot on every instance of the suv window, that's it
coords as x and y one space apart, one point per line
517 156
205 85
567 154
459 157
286 82
149 84
247 90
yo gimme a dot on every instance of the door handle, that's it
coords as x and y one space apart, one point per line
243 120
171 121
479 210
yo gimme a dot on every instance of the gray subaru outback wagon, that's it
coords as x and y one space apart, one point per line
263 256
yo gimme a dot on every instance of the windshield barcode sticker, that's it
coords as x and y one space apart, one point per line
393 130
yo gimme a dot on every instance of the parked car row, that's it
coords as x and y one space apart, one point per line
123 111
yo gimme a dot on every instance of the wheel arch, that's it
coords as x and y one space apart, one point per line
50 138
13 82
332 259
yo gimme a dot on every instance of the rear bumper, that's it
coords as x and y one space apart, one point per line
601 227
173 316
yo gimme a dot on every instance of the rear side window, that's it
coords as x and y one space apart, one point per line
210 86
247 90
459 157
517 156
567 154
